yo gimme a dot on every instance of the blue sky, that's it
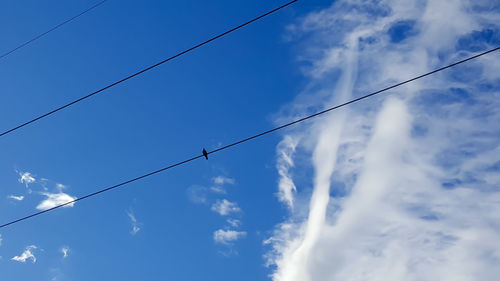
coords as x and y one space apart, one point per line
226 218
224 91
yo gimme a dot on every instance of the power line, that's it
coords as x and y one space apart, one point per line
52 29
147 68
252 137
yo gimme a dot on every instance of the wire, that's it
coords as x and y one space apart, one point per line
147 68
252 137
52 29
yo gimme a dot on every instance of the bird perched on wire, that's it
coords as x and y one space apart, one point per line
205 153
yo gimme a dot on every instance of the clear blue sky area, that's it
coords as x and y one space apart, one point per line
227 90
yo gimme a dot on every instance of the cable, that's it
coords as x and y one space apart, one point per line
252 137
52 29
146 69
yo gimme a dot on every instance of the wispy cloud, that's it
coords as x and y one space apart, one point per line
26 255
227 237
202 195
65 251
197 194
57 274
55 199
404 187
17 198
134 223
26 178
285 152
221 180
234 222
224 207
219 183
218 189
61 187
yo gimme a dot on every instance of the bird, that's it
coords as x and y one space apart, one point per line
205 153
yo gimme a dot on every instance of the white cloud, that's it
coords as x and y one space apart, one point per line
285 151
65 252
55 199
221 180
233 222
225 207
218 189
226 237
14 197
1 239
61 187
197 194
135 224
26 178
405 187
26 255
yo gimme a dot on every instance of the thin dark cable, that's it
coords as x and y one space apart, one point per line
252 137
146 69
354 100
52 29
103 190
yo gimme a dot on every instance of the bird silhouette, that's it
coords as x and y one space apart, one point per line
205 153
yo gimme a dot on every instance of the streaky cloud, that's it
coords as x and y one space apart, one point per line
26 255
226 237
55 199
17 198
405 187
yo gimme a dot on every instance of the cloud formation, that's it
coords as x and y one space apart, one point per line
226 237
197 194
26 255
55 199
17 198
26 178
286 187
405 187
219 183
65 252
224 207
234 222
134 223
221 180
